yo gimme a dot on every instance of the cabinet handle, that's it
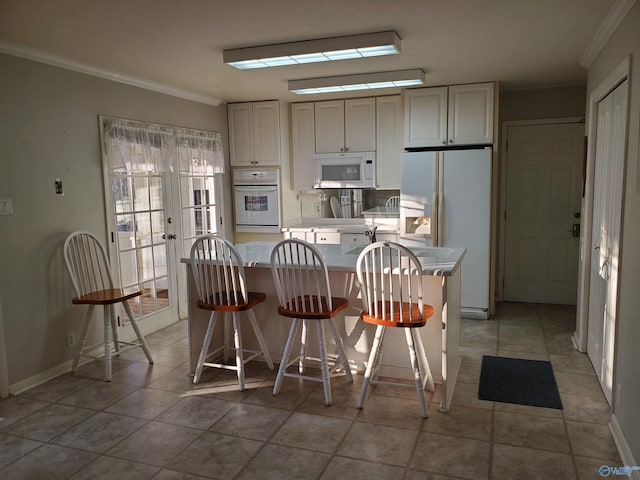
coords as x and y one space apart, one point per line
444 142
451 141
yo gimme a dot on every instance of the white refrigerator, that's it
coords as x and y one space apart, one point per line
445 200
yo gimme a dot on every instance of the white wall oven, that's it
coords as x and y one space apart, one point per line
257 200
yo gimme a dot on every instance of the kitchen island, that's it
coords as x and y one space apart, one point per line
441 268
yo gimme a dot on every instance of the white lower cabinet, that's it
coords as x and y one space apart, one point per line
354 239
328 237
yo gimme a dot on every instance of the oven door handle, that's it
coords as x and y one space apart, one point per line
256 188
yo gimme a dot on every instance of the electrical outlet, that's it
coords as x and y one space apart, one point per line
71 339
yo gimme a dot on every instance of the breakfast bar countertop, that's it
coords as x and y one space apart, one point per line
434 260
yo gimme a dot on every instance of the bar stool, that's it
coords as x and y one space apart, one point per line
391 287
219 277
88 267
302 283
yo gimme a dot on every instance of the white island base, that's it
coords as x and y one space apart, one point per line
441 335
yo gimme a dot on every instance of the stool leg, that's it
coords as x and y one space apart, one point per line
427 377
322 346
83 338
107 342
205 347
134 325
237 341
260 337
114 331
341 355
409 332
226 341
285 356
303 346
373 358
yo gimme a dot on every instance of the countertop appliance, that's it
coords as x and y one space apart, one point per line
256 194
445 197
344 170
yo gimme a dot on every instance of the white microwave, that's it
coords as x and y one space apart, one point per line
345 170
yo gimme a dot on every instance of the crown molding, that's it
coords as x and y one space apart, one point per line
57 61
613 20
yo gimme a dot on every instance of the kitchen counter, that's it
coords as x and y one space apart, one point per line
441 335
342 225
434 260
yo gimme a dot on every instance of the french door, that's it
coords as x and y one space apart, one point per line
153 218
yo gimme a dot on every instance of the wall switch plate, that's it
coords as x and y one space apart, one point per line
6 206
71 339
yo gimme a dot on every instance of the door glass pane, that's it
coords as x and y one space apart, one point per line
155 193
128 267
140 193
122 194
157 227
143 229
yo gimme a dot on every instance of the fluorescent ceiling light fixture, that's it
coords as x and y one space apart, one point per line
311 51
362 81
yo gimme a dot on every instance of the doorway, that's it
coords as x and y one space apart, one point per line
161 192
541 192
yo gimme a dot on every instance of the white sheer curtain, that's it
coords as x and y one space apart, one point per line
137 147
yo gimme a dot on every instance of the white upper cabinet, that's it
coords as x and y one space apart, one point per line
303 145
345 125
329 116
449 116
425 117
470 119
388 141
360 125
254 133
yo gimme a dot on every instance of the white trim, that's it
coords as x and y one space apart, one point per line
503 182
610 24
58 61
4 369
623 446
617 76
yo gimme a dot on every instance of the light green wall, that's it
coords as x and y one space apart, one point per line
49 130
625 42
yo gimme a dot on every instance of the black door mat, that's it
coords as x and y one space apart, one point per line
515 380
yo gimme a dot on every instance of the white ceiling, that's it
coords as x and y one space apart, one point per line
178 44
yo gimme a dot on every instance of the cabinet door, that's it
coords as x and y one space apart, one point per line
266 132
329 116
360 125
241 146
471 114
389 141
303 145
425 117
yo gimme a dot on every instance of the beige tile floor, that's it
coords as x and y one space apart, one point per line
150 422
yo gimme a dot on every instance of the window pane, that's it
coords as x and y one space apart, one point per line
157 227
156 193
141 193
143 229
160 260
128 267
122 194
145 256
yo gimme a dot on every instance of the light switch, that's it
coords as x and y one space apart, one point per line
6 206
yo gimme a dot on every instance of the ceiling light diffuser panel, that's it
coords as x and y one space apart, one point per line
312 51
363 81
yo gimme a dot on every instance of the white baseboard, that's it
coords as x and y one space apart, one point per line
623 447
39 378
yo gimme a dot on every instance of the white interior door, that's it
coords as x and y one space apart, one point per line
543 190
605 235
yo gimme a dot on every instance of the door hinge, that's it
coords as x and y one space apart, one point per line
221 220
113 238
118 322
